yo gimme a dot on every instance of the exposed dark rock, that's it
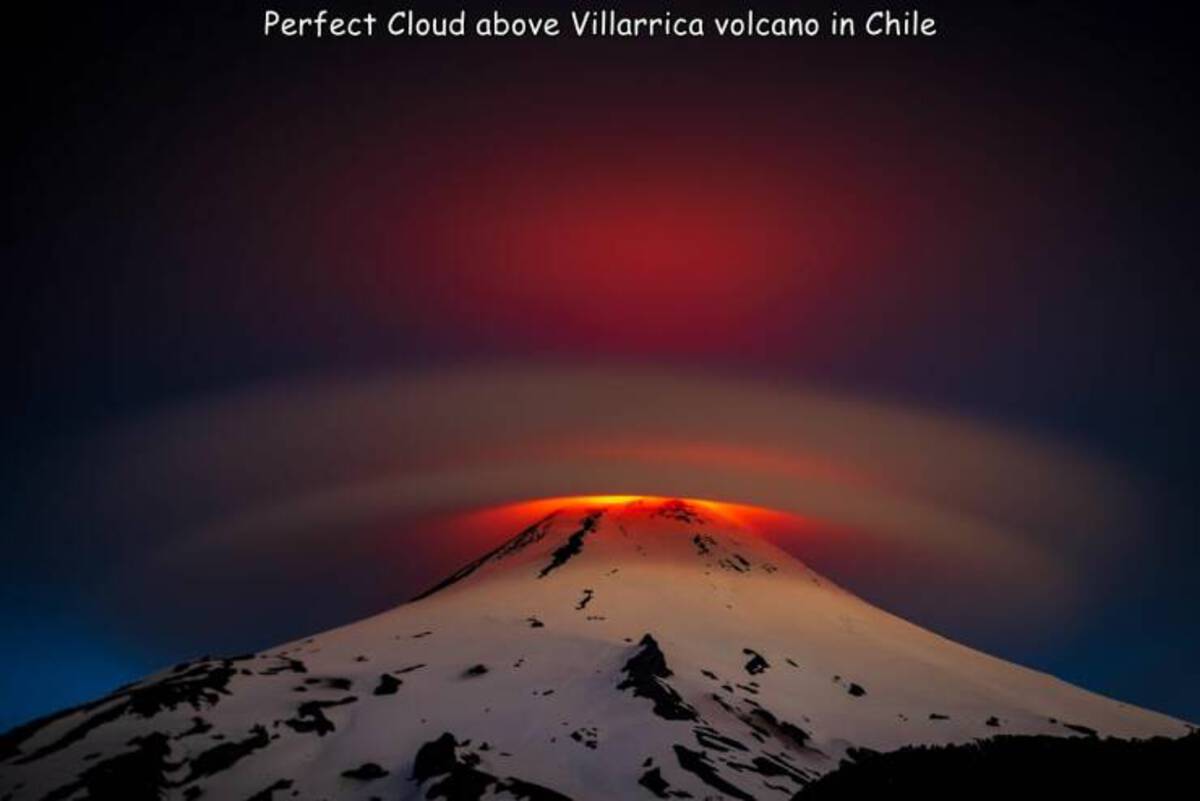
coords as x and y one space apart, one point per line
222 757
310 716
528 791
698 764
586 736
711 738
681 511
408 669
366 772
330 682
724 704
645 673
475 670
531 534
284 665
757 663
457 777
574 544
769 766
199 726
856 690
137 775
388 685
781 728
435 758
653 781
11 740
268 793
197 684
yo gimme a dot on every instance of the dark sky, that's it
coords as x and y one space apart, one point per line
999 221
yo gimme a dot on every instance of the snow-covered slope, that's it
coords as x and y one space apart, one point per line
619 650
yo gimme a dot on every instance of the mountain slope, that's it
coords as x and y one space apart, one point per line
620 650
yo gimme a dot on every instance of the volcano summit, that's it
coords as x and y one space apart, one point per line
613 649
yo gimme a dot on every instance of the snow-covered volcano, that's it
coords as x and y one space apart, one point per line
611 650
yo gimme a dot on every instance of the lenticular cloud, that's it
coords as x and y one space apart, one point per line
896 495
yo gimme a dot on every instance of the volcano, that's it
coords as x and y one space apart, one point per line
619 648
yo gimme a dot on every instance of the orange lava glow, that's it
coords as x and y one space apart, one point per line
511 517
458 537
